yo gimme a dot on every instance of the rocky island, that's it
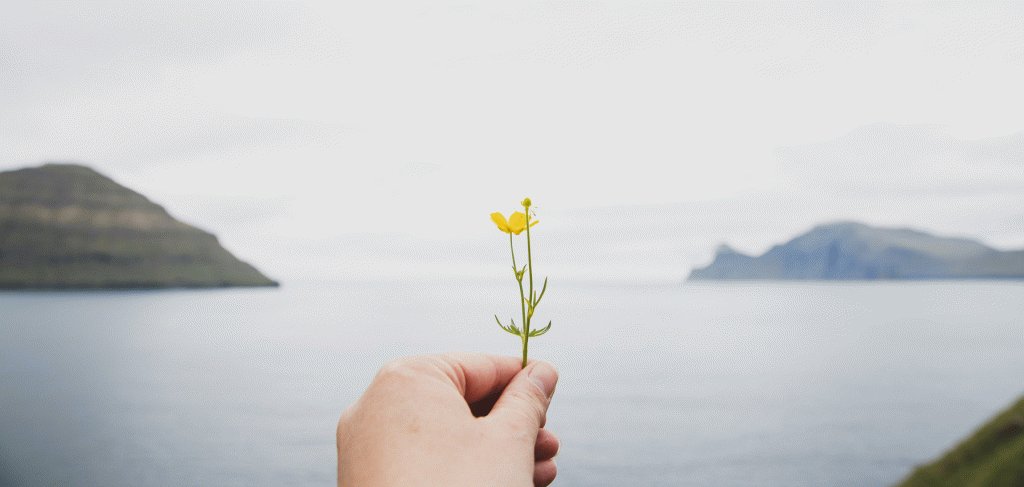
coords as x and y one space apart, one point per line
65 226
854 251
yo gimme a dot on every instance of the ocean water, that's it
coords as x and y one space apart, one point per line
735 384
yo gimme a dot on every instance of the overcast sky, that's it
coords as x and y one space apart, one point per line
326 140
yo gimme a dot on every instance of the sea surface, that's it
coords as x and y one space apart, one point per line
735 384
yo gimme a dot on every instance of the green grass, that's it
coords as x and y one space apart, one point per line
991 457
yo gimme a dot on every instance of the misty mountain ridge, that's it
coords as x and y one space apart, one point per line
855 251
68 226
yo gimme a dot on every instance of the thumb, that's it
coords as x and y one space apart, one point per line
524 402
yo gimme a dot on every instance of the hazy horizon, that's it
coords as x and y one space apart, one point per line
320 141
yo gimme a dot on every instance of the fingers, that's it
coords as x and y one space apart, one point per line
547 445
478 375
426 404
483 407
544 470
544 473
524 403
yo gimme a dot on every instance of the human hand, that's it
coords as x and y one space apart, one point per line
452 420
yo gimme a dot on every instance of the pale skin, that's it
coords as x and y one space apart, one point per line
451 420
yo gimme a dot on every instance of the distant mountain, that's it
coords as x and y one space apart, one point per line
853 251
67 226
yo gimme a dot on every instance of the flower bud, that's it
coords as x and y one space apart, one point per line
527 202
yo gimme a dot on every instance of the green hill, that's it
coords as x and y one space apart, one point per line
992 457
67 226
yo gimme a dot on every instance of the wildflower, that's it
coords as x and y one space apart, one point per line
528 302
515 223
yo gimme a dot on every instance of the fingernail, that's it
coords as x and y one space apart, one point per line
544 376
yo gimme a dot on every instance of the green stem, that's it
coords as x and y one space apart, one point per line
529 264
529 254
522 300
526 338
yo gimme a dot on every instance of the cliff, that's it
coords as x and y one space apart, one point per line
853 251
67 226
991 457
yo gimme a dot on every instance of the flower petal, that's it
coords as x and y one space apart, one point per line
517 222
499 220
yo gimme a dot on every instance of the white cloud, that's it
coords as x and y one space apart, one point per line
906 160
327 118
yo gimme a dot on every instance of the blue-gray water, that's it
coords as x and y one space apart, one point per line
664 385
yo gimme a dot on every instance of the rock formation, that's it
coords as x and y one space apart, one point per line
853 251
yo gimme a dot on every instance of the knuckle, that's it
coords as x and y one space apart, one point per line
399 369
536 399
346 416
530 410
344 425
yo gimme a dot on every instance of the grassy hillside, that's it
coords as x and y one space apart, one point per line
992 457
67 226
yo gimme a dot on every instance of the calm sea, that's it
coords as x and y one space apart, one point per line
747 384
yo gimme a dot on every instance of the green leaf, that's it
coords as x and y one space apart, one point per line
545 288
508 329
537 333
515 330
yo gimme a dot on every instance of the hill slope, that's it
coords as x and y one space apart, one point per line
67 226
992 457
849 251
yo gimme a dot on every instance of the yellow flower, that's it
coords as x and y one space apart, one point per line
515 223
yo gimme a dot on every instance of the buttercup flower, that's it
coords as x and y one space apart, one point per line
528 302
515 223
